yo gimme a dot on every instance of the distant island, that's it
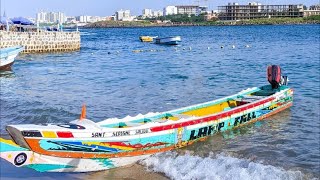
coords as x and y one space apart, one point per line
199 21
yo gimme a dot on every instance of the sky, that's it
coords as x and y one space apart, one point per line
29 8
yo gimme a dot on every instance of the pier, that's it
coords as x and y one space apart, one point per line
40 42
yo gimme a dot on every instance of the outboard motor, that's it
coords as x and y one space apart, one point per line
275 78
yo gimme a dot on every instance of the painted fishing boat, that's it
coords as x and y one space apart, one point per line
147 38
174 40
83 145
7 56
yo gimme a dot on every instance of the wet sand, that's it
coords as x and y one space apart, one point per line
131 172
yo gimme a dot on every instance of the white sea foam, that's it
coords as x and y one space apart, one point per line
215 167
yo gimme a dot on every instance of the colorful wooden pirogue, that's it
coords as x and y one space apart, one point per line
83 145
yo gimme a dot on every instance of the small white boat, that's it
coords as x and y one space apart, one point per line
7 56
173 40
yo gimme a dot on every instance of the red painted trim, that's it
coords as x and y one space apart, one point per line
64 134
213 117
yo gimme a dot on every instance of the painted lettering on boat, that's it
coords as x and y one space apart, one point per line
98 134
244 118
121 133
142 131
206 131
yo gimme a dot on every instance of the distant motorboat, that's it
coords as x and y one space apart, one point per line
173 40
7 56
146 38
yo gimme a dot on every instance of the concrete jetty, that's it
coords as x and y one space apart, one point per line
39 42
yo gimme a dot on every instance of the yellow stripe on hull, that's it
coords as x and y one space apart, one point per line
49 134
215 108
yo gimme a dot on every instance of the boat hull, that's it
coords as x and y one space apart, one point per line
7 67
25 158
169 40
86 141
7 56
146 38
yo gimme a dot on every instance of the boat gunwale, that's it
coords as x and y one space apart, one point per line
15 50
179 110
156 126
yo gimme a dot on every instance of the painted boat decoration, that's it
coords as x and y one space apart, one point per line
147 38
174 40
83 145
7 56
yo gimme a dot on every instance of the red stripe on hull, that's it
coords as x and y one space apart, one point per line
211 118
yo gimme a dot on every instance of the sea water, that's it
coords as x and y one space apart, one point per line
115 80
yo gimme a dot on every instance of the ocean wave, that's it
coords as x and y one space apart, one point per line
218 167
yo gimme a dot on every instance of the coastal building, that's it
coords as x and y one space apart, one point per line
71 19
119 15
83 19
157 13
312 11
170 10
50 17
147 13
235 11
191 9
124 15
41 17
211 15
60 17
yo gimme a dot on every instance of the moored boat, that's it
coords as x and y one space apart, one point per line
83 145
146 38
7 56
174 40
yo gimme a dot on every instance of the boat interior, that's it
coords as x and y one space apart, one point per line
200 110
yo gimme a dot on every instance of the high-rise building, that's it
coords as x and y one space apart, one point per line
84 19
123 15
170 10
41 17
126 14
119 15
50 17
147 13
157 13
61 17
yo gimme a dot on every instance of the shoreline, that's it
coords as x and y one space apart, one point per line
146 24
189 25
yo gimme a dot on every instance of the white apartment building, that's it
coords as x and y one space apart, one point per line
126 14
123 15
119 15
41 17
170 10
84 19
50 17
157 13
147 13
191 9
